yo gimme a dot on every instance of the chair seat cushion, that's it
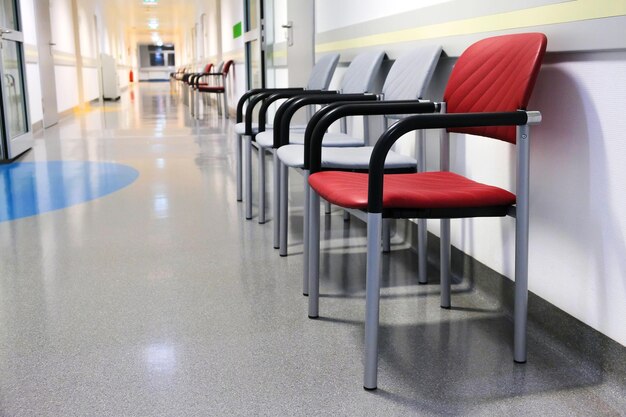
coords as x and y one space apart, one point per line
240 128
330 139
357 158
428 190
291 155
265 139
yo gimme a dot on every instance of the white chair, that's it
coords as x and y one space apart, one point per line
406 82
319 79
357 80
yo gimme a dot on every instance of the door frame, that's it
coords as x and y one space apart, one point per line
14 147
252 34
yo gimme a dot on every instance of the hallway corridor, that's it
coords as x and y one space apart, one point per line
157 297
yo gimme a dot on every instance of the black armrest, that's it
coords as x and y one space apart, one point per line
426 121
254 91
322 120
254 100
285 112
287 94
263 96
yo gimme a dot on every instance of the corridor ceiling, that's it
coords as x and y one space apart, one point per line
167 18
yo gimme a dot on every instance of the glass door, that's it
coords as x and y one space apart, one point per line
254 39
16 127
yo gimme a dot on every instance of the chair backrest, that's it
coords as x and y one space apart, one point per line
495 75
322 72
220 66
360 74
409 76
226 67
207 68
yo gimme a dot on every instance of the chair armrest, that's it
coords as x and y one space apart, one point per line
286 95
427 121
285 112
250 93
263 96
321 121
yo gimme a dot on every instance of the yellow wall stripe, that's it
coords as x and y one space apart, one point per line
572 11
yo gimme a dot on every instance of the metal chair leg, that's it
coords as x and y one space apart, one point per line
520 314
305 233
327 207
521 293
239 165
226 115
284 208
276 205
372 299
422 255
261 188
386 234
314 254
248 177
445 263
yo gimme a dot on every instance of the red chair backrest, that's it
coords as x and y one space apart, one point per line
227 66
495 75
208 68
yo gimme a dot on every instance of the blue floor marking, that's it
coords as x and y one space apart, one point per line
31 188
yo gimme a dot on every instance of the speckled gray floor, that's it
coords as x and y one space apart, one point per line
161 300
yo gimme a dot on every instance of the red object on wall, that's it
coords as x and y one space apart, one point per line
131 76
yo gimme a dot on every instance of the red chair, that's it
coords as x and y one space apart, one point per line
486 95
219 88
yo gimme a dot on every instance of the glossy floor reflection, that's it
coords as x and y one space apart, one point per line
161 300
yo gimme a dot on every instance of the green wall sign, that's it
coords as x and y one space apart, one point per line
237 30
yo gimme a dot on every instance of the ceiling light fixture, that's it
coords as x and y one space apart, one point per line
150 2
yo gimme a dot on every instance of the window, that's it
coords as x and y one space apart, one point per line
157 56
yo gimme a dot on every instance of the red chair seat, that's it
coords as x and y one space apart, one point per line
428 190
202 84
211 89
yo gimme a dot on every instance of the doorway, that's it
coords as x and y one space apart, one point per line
300 41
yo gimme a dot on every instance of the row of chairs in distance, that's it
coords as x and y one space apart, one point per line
200 84
487 95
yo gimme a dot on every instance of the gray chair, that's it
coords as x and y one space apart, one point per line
319 79
407 79
357 80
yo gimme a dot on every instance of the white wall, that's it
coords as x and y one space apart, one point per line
333 14
232 12
34 93
67 87
32 68
91 83
28 22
